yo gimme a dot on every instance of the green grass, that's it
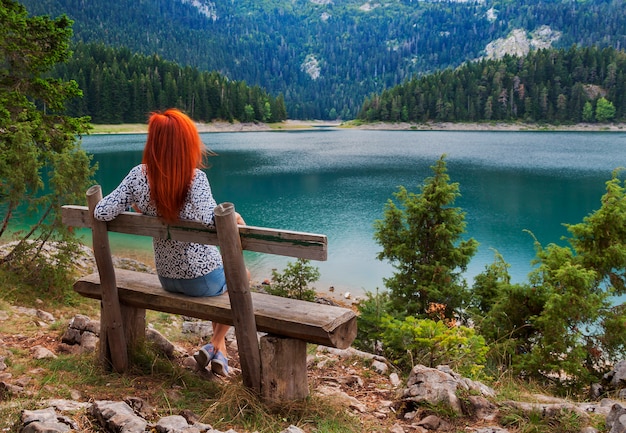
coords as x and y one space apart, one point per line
124 128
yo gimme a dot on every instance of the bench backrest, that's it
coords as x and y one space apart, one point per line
264 240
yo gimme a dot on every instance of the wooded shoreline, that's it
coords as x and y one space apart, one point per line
222 126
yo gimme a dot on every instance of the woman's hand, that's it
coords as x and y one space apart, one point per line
240 220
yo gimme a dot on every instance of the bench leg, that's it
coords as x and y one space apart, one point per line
283 369
134 325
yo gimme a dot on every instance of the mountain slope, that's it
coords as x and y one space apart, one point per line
326 56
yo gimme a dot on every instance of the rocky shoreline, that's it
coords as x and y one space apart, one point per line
222 126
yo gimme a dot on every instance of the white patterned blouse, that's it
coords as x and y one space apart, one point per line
173 259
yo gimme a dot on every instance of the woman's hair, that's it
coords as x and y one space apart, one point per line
172 153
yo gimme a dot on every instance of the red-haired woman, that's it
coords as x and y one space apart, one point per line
169 184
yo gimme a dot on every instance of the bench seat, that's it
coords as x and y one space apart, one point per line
314 323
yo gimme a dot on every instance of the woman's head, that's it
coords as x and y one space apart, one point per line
172 153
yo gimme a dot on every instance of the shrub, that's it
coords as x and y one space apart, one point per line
412 341
293 282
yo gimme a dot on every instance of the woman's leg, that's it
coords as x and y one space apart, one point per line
218 340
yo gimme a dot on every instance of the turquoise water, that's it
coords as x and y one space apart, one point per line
336 182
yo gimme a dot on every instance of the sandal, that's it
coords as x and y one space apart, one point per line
219 364
205 355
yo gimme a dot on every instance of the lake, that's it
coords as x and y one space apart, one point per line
336 182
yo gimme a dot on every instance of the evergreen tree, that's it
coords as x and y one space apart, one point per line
124 88
588 112
42 165
564 323
422 238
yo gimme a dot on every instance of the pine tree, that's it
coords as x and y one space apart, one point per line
42 164
422 238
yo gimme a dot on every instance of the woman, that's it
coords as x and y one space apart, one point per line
169 184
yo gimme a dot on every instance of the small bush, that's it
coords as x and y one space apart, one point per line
371 310
294 281
431 343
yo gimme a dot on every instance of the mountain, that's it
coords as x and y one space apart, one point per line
327 56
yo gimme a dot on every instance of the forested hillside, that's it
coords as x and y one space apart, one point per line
121 87
326 56
554 86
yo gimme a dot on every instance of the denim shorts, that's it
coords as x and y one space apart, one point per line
211 284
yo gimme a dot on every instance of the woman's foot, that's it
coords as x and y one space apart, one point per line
205 355
219 364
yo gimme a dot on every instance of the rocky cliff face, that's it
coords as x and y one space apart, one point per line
520 42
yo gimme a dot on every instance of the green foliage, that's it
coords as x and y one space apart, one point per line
588 112
431 343
120 87
563 324
369 321
43 166
605 110
566 421
294 281
553 86
422 238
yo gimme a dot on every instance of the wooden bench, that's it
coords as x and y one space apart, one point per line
275 366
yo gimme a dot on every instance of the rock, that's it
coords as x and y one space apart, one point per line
410 415
118 417
42 415
396 428
161 343
548 410
84 323
616 378
50 427
343 398
140 406
82 333
46 421
395 379
433 422
45 316
67 405
9 389
380 367
429 385
172 423
88 342
595 391
202 328
616 419
491 430
350 352
40 352
292 429
189 362
482 408
350 381
468 384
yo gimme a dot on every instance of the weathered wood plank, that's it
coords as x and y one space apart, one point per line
314 323
283 362
239 294
112 336
263 240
